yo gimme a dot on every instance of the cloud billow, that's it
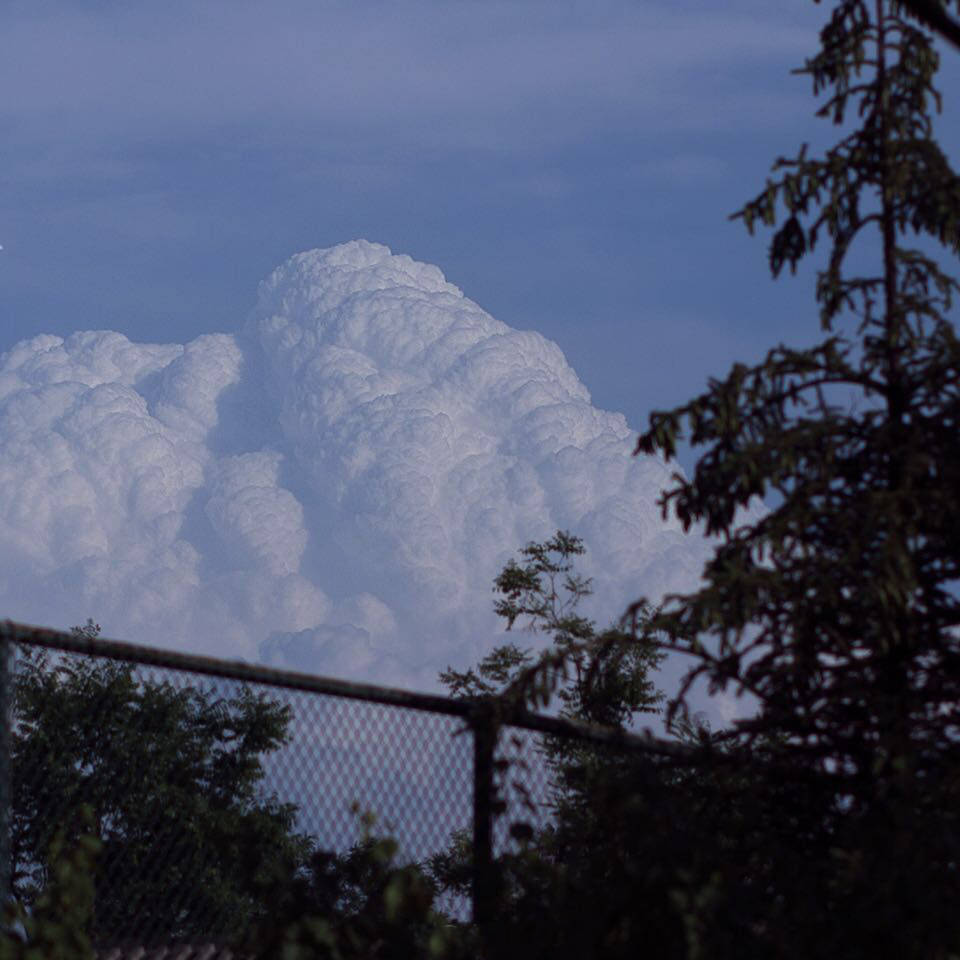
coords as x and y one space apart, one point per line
332 488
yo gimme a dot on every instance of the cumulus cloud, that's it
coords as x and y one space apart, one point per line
331 488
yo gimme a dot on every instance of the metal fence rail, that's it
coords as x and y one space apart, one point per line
159 739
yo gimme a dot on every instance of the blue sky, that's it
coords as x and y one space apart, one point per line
569 165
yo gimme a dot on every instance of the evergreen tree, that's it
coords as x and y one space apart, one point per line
837 611
932 14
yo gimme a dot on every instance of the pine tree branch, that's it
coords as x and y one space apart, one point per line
932 14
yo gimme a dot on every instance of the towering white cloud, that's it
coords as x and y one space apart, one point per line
332 488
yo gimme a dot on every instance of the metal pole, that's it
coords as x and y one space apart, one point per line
484 877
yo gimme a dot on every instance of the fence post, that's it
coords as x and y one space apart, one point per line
485 731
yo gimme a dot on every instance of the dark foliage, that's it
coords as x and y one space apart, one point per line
598 879
837 611
361 905
57 925
189 844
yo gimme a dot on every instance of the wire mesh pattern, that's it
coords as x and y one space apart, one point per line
209 791
411 771
227 796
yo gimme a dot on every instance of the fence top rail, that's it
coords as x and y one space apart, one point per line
470 711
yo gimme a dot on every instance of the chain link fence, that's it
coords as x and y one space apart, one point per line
227 795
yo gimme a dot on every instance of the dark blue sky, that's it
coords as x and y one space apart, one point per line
570 165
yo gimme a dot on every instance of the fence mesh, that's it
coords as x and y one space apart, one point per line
220 801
